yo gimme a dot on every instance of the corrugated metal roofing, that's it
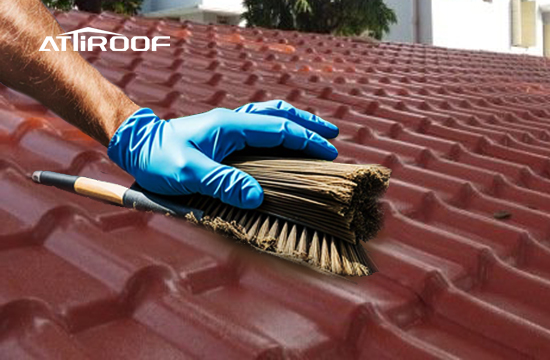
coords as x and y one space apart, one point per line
464 258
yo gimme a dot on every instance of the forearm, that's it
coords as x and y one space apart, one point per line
61 80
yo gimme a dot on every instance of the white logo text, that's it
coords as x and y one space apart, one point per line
118 42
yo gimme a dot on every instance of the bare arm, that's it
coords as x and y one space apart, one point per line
63 81
172 157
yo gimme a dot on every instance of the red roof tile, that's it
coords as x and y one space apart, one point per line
464 258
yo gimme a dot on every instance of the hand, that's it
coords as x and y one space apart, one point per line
183 155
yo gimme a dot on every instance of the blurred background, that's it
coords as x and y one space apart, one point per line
512 26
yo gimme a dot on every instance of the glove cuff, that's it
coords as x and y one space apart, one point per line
126 140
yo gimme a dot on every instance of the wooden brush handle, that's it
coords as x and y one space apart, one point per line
100 190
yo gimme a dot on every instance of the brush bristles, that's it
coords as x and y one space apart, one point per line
313 211
337 199
284 238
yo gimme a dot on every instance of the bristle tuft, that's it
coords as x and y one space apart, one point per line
314 255
325 254
262 239
253 227
335 263
291 241
301 251
346 263
283 238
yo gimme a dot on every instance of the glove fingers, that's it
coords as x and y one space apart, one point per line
285 110
230 185
270 131
296 137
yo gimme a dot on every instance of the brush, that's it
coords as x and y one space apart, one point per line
314 212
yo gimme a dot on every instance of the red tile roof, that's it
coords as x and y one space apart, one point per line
464 258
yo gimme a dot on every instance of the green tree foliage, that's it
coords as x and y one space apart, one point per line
125 7
59 4
340 17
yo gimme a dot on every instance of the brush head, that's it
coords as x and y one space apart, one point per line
338 199
314 212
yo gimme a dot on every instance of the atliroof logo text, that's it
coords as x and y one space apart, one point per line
118 42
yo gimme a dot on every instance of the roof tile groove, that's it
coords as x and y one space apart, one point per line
464 257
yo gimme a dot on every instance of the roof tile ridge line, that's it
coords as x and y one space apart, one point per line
7 166
69 322
483 141
465 193
436 284
538 157
508 139
489 259
51 220
453 100
499 181
528 244
428 202
163 280
525 240
158 279
29 124
123 302
83 21
526 127
468 190
443 296
371 314
85 158
26 311
527 175
511 142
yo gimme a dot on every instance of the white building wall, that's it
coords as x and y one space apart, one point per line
230 6
424 20
472 24
214 18
403 31
198 17
414 21
233 6
462 24
158 5
539 48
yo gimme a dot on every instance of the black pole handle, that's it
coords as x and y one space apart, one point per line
135 198
143 200
62 181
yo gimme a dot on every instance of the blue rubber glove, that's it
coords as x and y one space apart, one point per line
182 156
